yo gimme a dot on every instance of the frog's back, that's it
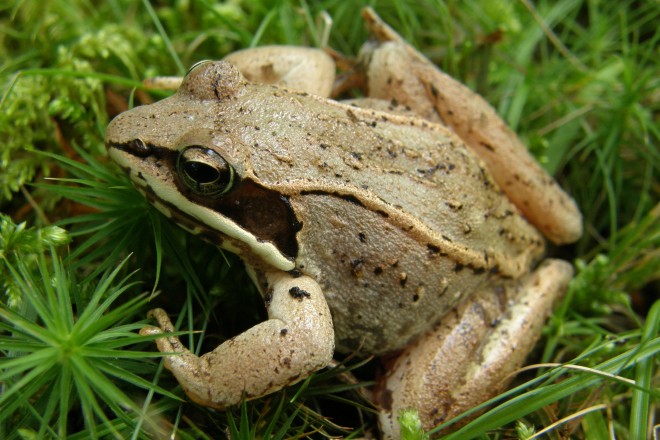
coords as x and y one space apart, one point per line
399 220
419 174
424 171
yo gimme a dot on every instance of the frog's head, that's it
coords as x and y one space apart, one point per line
173 154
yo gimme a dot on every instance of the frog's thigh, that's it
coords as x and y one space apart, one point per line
468 358
296 340
396 71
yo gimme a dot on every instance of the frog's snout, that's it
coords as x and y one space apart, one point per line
118 129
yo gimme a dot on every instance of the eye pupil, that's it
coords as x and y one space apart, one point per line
204 172
201 172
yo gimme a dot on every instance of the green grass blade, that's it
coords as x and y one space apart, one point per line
546 395
641 397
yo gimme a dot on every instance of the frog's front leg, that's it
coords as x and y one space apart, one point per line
471 355
296 340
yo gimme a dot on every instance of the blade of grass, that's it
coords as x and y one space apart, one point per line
546 395
641 398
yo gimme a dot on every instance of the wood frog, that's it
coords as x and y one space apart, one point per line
380 231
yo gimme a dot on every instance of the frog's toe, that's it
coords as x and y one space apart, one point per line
162 318
166 344
150 330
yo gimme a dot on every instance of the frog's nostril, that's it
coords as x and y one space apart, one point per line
139 148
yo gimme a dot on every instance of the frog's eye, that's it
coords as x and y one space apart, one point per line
204 171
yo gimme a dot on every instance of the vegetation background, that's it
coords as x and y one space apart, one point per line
578 80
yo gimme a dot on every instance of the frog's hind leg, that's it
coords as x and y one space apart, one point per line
471 355
395 71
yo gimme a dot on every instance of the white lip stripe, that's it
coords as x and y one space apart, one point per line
266 250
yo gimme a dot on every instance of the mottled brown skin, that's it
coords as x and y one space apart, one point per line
386 220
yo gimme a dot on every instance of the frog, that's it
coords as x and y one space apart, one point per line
410 224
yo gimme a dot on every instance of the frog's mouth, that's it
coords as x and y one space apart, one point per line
248 219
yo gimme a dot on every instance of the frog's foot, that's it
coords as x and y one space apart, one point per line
168 344
470 357
296 340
